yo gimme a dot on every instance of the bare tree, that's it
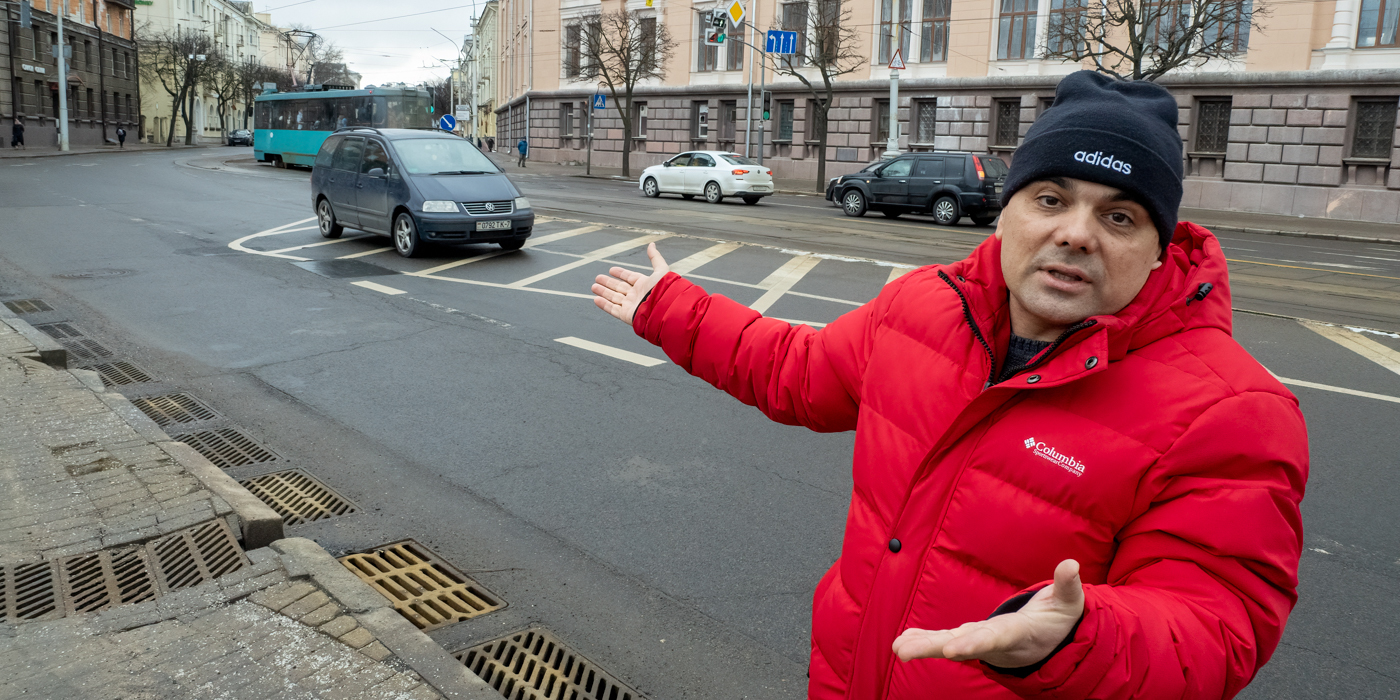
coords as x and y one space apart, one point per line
239 82
177 62
1146 39
827 47
619 49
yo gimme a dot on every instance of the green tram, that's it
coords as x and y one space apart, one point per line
288 127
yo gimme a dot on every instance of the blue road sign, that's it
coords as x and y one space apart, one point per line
781 42
447 122
600 101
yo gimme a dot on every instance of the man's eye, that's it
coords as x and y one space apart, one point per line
1120 218
1049 200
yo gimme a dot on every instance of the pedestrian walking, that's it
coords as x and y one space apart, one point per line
491 143
523 147
121 137
1070 480
17 134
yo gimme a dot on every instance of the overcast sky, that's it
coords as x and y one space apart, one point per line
386 42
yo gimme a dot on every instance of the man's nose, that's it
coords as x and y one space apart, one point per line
1076 229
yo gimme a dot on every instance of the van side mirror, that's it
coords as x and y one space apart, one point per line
376 172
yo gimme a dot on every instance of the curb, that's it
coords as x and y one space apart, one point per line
1303 234
64 154
304 558
50 352
260 524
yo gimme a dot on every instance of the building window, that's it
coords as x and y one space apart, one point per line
129 114
785 115
573 50
1168 19
566 120
1212 125
895 28
926 123
646 31
706 57
1375 129
728 119
1378 21
87 55
882 123
734 59
1008 126
700 120
91 104
811 125
1231 29
639 120
795 20
933 36
1068 26
1016 40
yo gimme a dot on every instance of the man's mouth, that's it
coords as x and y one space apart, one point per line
1065 276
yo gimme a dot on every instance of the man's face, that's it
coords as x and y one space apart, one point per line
1071 249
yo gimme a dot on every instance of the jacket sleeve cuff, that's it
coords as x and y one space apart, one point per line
1013 604
653 300
1073 670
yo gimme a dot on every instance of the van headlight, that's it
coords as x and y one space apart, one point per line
439 206
522 203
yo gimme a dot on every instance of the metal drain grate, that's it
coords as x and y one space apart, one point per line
536 665
98 581
121 373
297 496
422 587
85 349
227 447
27 592
28 306
195 555
60 331
174 408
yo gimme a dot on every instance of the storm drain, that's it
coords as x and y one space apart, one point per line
422 587
60 331
28 306
226 447
297 496
121 373
174 408
97 581
535 665
85 349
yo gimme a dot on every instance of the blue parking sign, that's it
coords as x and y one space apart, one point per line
447 122
600 101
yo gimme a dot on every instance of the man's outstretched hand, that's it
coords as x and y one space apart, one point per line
1012 640
621 291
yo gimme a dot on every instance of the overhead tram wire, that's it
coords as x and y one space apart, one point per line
386 19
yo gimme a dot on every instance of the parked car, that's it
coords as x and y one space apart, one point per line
947 185
417 187
240 137
714 174
831 184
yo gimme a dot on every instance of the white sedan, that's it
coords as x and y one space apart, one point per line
714 174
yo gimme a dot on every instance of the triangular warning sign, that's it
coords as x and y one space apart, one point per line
897 60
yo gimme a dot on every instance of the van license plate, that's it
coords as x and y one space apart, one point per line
493 225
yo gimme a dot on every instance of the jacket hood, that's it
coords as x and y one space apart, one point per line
1166 304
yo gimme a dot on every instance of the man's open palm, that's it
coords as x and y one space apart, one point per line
1012 640
621 291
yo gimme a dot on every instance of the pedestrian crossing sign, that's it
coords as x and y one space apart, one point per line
897 60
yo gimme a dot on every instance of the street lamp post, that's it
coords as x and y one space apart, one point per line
62 86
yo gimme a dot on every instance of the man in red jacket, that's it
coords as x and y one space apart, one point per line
1070 481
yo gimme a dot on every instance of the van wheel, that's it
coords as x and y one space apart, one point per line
853 203
512 245
945 211
891 213
713 194
325 217
406 240
983 220
650 188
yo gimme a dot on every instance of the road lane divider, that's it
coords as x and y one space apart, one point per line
1357 343
1336 389
610 351
372 251
783 279
276 231
589 258
317 245
378 287
530 243
687 265
897 272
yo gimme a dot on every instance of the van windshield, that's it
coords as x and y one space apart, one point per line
442 157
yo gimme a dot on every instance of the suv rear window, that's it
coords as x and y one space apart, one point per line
994 167
323 158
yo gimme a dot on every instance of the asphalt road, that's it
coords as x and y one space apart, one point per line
665 531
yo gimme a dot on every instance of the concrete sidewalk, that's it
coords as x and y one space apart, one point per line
122 574
53 152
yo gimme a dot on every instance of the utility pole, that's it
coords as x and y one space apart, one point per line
748 108
892 142
62 85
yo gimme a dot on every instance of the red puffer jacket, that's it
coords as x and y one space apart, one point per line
1148 445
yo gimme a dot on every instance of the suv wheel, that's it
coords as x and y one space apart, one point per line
853 203
406 236
983 220
325 217
713 194
945 211
650 188
891 213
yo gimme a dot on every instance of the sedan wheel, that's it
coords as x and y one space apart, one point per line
650 188
945 211
853 203
406 236
325 217
713 194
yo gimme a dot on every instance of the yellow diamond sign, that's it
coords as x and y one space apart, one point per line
736 13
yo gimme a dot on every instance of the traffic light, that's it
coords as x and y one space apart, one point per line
767 103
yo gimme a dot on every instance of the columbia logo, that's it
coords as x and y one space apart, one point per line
1052 455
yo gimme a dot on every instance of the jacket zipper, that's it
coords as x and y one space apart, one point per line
967 314
1051 349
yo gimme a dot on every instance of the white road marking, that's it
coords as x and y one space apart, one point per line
782 279
1338 389
532 242
1359 344
362 254
284 228
686 265
378 287
316 245
588 259
616 353
896 273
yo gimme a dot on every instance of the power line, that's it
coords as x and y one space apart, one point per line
303 2
385 19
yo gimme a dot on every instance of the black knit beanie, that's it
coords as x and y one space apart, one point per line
1114 132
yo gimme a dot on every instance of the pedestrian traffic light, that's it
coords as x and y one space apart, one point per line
767 103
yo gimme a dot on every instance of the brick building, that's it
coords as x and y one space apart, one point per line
1302 121
102 81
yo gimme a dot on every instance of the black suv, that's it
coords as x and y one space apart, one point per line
416 186
947 185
